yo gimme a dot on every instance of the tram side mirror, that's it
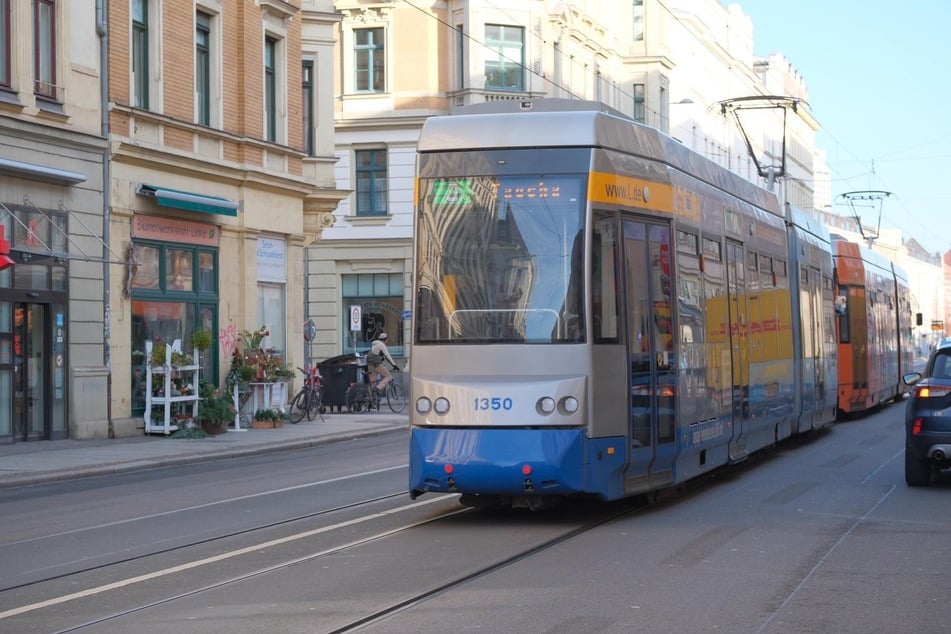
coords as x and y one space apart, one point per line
919 319
841 301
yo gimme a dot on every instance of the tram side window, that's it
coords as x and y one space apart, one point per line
717 346
766 271
843 308
691 367
604 288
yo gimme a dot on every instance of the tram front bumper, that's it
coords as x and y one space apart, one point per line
508 462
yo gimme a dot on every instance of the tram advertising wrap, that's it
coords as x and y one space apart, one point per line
600 312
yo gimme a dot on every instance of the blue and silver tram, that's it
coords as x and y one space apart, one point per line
601 312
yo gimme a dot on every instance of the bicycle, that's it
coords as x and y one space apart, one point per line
361 396
308 400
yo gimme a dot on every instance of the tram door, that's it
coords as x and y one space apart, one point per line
810 302
29 372
648 263
737 293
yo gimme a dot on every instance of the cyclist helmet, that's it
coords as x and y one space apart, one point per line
382 336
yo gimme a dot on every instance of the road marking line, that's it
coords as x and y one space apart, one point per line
209 560
205 505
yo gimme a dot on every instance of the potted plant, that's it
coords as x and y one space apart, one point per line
266 419
246 373
284 374
180 359
215 412
158 353
201 339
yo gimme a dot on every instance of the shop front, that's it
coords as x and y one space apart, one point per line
33 326
172 285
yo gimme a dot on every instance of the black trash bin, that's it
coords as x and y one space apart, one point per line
338 374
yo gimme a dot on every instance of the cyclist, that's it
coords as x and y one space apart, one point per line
375 357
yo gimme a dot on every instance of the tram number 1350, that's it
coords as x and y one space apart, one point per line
495 403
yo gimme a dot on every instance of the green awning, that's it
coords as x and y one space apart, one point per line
189 201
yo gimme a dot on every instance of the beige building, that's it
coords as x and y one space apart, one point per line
220 164
53 361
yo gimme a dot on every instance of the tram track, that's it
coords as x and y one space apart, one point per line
260 572
627 508
368 615
253 548
202 542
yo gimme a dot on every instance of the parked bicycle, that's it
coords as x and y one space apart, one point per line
309 399
362 397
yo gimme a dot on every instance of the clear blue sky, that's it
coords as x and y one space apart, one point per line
879 84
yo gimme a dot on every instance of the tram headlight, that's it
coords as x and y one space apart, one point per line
423 405
441 406
545 405
569 405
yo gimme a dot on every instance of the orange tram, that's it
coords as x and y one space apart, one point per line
873 325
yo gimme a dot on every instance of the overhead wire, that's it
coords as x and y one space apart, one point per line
848 180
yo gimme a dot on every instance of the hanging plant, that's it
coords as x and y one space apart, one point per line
201 339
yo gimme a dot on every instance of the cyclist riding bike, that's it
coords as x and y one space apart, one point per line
375 357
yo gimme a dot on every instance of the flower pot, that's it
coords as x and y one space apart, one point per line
213 428
266 424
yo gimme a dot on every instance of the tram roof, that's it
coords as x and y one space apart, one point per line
846 249
564 123
541 123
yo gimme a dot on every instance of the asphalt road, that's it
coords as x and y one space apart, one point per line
817 535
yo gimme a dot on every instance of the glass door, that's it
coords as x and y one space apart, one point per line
739 343
30 368
648 281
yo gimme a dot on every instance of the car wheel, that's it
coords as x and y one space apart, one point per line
917 472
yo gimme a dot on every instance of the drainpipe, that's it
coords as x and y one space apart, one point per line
102 29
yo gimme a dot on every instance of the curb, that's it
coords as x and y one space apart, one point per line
26 479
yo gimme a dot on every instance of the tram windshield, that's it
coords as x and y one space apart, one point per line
500 259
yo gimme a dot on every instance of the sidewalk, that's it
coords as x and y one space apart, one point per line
42 461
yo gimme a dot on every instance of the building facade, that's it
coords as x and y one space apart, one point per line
221 169
164 167
53 365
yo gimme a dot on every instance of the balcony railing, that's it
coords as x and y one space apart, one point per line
46 90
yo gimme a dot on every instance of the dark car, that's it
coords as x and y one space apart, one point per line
928 419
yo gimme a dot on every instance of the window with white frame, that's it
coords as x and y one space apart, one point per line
370 173
44 49
638 7
664 110
460 57
640 103
272 313
202 68
5 44
270 89
272 283
307 105
505 58
369 60
140 53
